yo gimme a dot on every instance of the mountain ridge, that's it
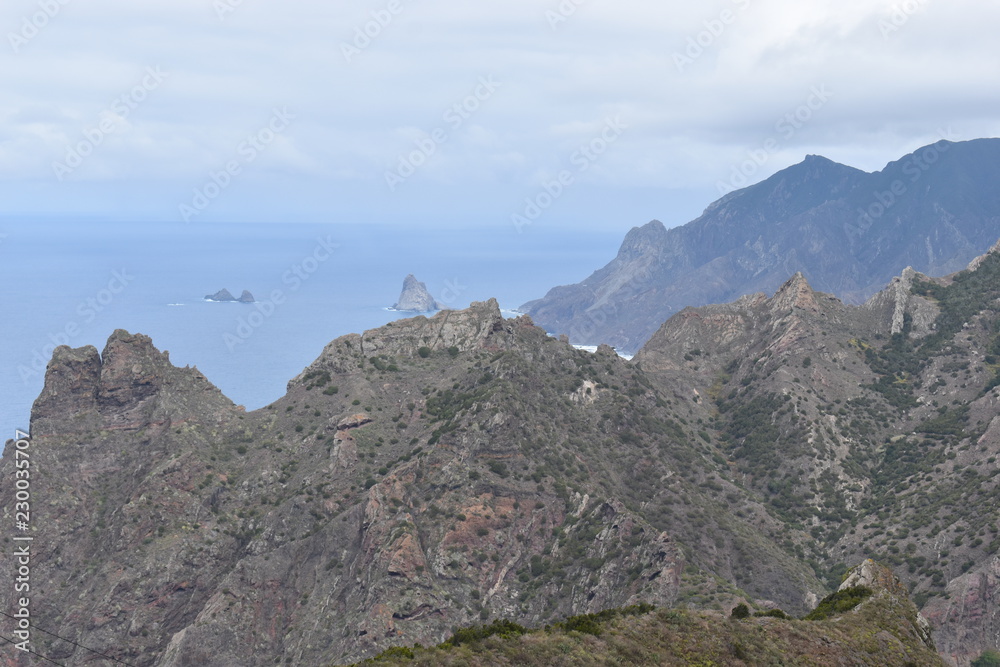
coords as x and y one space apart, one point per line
848 230
439 472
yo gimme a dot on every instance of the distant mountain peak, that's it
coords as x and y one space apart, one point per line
849 230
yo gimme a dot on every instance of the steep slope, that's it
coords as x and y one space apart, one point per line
869 621
440 472
428 474
871 427
848 231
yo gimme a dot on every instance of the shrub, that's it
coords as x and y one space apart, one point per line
989 658
740 611
500 628
838 603
585 623
424 352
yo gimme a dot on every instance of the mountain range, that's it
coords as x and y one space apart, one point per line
848 231
479 487
439 473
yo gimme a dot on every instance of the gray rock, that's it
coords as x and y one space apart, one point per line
415 298
226 295
222 295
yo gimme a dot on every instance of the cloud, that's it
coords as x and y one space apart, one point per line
368 80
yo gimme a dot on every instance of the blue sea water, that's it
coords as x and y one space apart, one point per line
75 283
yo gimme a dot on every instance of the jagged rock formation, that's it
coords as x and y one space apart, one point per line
313 531
848 231
415 298
874 424
881 628
441 471
226 295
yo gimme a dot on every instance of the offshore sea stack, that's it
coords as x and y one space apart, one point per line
415 298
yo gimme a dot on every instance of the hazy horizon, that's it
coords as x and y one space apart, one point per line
599 116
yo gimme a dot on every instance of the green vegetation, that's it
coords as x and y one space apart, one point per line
644 635
499 628
838 602
989 658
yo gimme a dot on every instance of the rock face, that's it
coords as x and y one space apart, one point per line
226 295
415 298
818 217
439 472
130 386
882 629
969 617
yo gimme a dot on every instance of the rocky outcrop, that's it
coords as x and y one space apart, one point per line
818 217
225 295
131 385
480 326
967 619
415 298
896 307
889 591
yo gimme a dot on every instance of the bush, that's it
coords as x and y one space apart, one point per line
500 628
424 352
585 623
989 658
839 602
740 611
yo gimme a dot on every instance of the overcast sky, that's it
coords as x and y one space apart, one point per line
585 113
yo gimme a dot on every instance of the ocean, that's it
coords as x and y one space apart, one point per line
75 283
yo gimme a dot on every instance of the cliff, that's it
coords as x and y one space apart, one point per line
849 232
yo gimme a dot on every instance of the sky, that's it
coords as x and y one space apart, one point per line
569 114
